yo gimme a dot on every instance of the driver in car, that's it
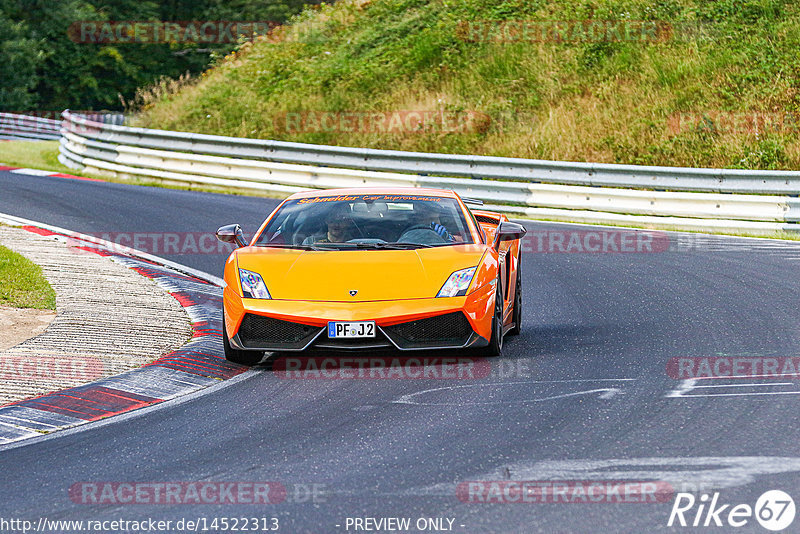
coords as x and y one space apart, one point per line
429 217
339 225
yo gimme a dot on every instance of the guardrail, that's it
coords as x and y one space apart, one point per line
736 200
23 127
27 127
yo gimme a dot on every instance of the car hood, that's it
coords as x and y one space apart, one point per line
373 274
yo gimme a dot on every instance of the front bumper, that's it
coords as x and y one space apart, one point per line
406 325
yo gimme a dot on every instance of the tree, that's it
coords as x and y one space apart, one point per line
42 66
19 59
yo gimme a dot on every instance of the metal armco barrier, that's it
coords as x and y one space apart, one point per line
720 199
28 127
32 127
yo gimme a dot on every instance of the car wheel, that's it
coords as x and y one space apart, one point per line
517 328
243 357
495 347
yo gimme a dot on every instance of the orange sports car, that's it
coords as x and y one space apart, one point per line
372 268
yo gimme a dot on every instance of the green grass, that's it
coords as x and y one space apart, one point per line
32 154
22 284
613 102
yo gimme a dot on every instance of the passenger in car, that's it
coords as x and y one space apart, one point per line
340 226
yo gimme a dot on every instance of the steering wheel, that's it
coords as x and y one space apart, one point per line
426 235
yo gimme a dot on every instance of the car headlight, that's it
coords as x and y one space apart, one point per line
458 283
253 286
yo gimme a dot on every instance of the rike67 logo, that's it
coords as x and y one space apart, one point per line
774 510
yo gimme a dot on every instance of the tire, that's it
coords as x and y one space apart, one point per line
242 357
495 347
517 313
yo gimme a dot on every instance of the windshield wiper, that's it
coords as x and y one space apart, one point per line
351 246
295 247
394 246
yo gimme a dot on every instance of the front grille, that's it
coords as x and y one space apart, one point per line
258 331
487 219
448 330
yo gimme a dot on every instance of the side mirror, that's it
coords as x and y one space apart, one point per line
232 234
508 231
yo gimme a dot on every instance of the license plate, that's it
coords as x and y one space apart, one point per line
351 329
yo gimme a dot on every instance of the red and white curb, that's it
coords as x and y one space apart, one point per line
198 364
51 174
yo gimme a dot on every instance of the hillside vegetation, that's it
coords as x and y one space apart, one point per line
717 86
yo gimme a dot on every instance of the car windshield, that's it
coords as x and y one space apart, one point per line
375 221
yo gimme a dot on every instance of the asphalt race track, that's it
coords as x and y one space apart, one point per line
583 394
